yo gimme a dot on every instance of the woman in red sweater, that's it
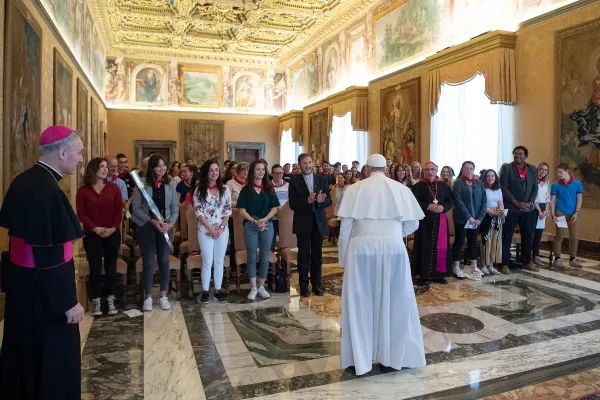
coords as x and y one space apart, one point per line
100 210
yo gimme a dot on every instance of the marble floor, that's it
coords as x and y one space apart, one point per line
530 335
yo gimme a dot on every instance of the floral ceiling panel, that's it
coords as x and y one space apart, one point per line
234 29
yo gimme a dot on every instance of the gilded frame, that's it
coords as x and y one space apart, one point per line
218 71
413 85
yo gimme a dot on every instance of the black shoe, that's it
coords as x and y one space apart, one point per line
204 297
441 281
318 290
221 296
351 369
385 369
304 292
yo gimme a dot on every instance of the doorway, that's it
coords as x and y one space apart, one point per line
245 151
247 155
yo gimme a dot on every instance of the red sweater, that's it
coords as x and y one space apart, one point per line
103 210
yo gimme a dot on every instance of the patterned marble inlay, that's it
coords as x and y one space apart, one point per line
453 292
451 323
542 303
274 336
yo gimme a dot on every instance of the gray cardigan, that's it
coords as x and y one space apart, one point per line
462 210
140 211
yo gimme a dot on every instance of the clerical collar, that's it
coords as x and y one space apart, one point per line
377 172
52 170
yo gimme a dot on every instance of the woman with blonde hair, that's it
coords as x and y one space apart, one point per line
417 172
239 180
542 206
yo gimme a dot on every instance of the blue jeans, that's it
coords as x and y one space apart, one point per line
255 238
152 241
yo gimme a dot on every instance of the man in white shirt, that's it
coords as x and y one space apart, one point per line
281 191
380 320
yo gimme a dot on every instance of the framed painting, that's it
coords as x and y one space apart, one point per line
82 126
94 128
200 87
577 88
406 29
63 91
22 91
401 121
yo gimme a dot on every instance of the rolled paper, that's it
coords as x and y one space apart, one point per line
140 185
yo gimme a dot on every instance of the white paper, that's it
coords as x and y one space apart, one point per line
541 223
505 212
468 225
133 313
561 222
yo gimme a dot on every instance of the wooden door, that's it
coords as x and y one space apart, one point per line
161 151
247 155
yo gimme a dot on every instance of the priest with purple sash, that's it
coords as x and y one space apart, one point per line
432 261
40 354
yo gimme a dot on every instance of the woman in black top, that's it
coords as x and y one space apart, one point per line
258 204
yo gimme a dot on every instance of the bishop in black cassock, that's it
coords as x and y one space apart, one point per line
40 354
432 261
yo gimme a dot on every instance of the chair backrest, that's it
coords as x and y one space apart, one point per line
183 227
192 229
238 230
124 230
285 215
450 223
331 208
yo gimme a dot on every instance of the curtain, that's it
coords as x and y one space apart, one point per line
345 143
354 100
468 127
288 150
292 120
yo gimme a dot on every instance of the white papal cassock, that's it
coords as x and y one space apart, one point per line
380 320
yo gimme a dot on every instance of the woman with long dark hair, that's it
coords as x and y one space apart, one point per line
491 226
258 203
230 171
174 171
100 209
150 231
402 174
212 202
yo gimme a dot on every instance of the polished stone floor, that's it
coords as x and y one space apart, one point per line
524 336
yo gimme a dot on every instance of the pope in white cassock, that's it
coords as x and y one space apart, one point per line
380 320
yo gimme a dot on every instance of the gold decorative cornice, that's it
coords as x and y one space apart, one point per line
350 93
291 115
292 120
481 44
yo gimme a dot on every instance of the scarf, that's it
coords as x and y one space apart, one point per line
212 186
464 178
114 177
259 187
278 186
158 183
187 183
238 181
522 172
540 181
562 182
428 181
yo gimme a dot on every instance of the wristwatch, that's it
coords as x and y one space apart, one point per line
222 227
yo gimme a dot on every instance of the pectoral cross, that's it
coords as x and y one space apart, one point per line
435 201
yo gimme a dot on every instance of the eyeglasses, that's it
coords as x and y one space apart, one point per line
277 173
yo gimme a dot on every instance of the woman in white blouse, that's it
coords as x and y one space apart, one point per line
212 202
340 189
491 226
542 205
238 182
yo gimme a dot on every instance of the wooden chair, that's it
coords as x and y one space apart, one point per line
184 234
241 254
127 242
287 242
194 260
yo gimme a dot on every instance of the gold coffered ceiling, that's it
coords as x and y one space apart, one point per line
256 31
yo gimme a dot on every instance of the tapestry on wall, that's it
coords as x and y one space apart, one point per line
22 96
63 103
400 121
82 126
578 106
94 129
202 140
318 138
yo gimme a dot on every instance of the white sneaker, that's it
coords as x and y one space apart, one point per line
164 303
458 274
147 304
494 271
97 307
112 310
263 293
485 271
477 271
253 293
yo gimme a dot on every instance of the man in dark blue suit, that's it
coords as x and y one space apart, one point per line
309 198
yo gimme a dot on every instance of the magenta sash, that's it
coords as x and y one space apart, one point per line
442 244
21 253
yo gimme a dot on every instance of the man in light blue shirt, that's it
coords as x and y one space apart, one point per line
113 176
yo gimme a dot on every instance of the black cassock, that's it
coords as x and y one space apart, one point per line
40 355
431 253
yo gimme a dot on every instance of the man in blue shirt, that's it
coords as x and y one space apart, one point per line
566 197
113 176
